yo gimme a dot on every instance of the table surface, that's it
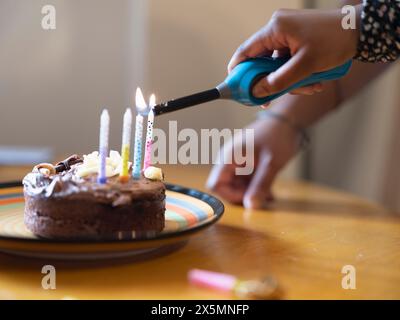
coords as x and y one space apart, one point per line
304 239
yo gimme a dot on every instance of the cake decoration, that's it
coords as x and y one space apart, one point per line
45 169
154 173
67 163
91 163
49 169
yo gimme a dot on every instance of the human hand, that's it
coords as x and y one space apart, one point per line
275 144
314 39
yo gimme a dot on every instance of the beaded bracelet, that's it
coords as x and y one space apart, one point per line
305 139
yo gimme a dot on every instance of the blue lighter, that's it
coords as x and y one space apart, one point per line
239 84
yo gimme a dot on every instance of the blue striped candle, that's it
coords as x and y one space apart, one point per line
137 155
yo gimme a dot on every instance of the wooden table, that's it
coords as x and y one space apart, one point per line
304 240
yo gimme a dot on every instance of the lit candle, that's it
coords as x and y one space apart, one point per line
103 145
149 134
137 157
126 145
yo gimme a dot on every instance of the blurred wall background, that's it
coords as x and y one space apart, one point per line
53 84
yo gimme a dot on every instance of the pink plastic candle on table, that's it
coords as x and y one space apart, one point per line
212 280
149 133
264 288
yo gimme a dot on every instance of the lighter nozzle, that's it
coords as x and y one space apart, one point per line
224 91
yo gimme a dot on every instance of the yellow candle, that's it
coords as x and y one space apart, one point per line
126 145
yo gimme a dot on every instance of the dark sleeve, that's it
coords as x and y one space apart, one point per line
380 31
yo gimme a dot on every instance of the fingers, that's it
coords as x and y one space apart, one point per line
259 189
253 47
229 193
223 181
265 105
297 68
308 90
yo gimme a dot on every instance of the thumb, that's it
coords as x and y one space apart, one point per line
260 186
297 68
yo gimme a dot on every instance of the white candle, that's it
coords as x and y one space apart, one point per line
103 145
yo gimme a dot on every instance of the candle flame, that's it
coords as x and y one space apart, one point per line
152 100
128 115
141 105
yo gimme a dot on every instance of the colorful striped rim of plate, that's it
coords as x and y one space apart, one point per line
186 210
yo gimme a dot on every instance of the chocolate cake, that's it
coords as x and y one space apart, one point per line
66 202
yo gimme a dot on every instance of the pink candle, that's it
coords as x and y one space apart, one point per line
149 134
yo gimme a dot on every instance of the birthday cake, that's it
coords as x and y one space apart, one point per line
65 201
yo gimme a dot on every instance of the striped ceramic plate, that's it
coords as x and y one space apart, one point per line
187 211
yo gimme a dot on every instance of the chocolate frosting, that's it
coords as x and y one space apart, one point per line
66 184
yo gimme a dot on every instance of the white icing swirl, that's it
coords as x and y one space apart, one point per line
91 164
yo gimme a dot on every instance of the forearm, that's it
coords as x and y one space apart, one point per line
306 110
